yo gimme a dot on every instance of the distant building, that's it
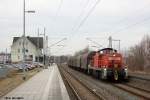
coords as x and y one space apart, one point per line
33 49
5 58
58 59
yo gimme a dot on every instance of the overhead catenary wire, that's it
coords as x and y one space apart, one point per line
81 13
59 8
137 10
54 19
126 27
93 39
94 42
58 42
132 25
86 17
61 48
127 18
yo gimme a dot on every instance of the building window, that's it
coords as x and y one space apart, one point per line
27 50
31 56
18 50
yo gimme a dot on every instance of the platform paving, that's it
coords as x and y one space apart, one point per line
46 85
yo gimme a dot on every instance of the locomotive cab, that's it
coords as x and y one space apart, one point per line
111 64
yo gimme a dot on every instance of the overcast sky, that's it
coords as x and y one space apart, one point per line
127 20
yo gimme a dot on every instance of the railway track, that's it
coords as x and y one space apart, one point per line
134 90
81 90
141 83
74 94
117 91
141 89
137 77
94 86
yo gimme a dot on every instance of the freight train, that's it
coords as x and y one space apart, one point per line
106 63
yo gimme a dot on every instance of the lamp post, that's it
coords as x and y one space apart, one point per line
38 59
44 45
23 37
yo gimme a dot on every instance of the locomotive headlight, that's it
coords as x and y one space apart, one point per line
105 73
126 72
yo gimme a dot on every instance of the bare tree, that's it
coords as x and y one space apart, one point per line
138 58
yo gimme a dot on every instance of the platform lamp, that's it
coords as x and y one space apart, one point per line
24 37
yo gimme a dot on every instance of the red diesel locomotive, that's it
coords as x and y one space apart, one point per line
106 63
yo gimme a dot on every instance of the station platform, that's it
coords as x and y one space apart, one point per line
46 85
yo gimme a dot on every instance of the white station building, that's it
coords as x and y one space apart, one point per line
33 49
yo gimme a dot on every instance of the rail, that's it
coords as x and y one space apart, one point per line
84 85
134 90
